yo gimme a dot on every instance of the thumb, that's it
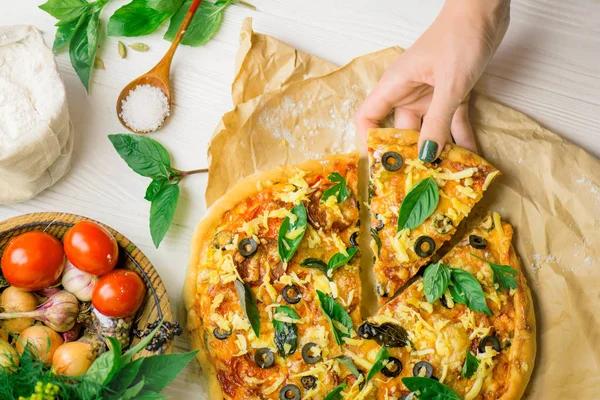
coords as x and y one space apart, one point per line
435 130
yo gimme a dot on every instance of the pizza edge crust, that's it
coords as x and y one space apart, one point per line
245 188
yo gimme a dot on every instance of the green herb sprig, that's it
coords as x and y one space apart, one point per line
377 366
470 366
286 332
248 303
430 389
503 275
336 392
333 311
336 261
287 247
339 190
150 159
420 202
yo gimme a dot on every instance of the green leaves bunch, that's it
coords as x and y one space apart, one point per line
149 158
339 190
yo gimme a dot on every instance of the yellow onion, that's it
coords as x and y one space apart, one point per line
42 342
8 356
73 358
14 300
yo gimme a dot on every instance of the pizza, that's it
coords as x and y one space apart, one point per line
415 206
465 330
273 290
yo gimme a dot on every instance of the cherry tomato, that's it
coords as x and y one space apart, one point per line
119 293
33 261
91 248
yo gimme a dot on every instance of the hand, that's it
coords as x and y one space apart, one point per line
431 81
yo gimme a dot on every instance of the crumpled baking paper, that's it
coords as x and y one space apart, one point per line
291 106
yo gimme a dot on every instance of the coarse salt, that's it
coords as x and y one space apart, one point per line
145 108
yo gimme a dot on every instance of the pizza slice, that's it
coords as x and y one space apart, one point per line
466 330
273 288
415 206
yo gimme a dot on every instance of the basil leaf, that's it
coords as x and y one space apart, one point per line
334 311
144 156
377 366
84 44
165 5
106 365
338 260
128 356
125 376
348 363
133 391
467 290
420 202
336 393
429 389
285 332
160 370
64 33
136 19
204 25
339 190
155 186
470 366
314 263
162 211
150 395
503 275
248 303
376 238
286 246
65 10
436 279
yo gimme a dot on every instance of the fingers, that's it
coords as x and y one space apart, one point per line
461 128
436 125
375 108
407 119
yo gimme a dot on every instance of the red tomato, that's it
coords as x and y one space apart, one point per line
119 293
91 248
33 261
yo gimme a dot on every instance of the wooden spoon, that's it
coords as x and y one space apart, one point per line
159 75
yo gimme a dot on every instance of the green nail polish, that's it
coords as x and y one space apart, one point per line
428 151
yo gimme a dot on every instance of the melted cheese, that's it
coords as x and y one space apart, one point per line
267 391
460 207
332 204
242 345
339 243
313 238
294 233
467 191
408 184
489 179
240 323
297 191
399 244
359 361
455 176
498 225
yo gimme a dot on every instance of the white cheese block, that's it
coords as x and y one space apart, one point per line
36 135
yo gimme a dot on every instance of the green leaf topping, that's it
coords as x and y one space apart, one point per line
334 311
376 238
338 260
136 19
66 10
248 303
420 202
470 366
286 332
503 275
429 389
144 156
286 246
436 279
339 190
314 263
204 25
336 393
348 363
378 363
162 211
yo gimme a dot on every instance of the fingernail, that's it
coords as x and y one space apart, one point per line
428 151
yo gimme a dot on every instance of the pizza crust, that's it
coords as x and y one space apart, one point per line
247 187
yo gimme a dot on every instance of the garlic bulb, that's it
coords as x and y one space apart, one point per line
78 282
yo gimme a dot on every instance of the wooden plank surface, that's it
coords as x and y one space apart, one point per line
548 67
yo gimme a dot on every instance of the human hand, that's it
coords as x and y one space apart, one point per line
431 81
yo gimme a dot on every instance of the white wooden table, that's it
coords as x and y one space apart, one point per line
547 67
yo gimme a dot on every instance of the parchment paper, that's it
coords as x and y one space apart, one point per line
291 106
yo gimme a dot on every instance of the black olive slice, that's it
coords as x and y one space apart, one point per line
307 353
308 382
392 368
392 161
354 239
379 225
423 365
477 242
489 341
422 250
289 392
221 334
264 357
488 223
247 247
291 294
442 224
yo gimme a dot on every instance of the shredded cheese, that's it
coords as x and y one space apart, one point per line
455 176
489 179
462 208
267 391
399 244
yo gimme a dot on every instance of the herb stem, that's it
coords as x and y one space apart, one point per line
243 3
194 171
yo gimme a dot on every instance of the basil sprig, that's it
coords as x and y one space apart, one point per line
248 303
336 261
333 311
137 19
429 389
286 332
65 10
348 363
149 158
336 393
503 275
287 247
377 366
470 366
204 25
339 190
420 202
464 287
